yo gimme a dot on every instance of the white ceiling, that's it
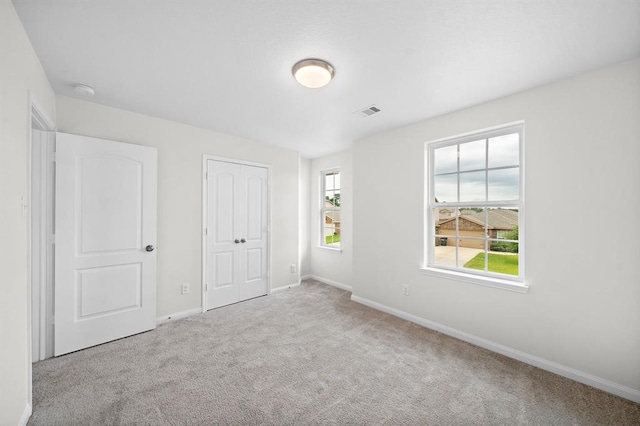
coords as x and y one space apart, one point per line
226 65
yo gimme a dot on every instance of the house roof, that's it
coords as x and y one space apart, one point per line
499 219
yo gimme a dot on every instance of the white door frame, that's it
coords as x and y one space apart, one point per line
205 200
39 119
40 240
41 226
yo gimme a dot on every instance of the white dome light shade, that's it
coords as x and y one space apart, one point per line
313 73
83 89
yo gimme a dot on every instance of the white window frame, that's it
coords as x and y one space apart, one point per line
324 209
491 279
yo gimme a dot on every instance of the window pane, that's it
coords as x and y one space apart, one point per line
504 150
445 160
471 258
332 198
472 186
444 216
330 237
471 223
445 226
445 252
504 184
504 262
446 188
331 217
472 155
332 181
503 225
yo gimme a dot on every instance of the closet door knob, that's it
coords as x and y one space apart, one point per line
236 241
243 240
149 248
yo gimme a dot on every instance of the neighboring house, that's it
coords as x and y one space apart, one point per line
471 224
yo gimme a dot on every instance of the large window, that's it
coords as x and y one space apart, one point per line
330 215
475 205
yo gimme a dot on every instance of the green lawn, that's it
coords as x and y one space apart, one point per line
329 239
501 263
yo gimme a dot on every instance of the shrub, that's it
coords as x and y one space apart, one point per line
505 246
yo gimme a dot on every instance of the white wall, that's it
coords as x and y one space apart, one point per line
180 149
305 217
329 265
20 73
582 152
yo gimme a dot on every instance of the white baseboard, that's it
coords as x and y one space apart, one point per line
25 415
562 370
284 287
178 315
328 281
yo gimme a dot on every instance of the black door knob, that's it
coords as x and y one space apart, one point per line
149 248
243 240
236 241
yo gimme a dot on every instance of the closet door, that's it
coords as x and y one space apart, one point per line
237 231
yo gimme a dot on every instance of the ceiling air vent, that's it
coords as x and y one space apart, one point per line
368 111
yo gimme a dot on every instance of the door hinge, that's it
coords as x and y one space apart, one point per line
53 238
53 156
206 231
206 286
206 175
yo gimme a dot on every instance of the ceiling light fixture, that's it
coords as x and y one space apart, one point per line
313 73
83 89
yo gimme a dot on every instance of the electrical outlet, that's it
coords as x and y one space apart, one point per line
405 290
293 268
185 288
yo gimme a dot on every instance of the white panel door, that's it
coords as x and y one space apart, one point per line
105 226
237 233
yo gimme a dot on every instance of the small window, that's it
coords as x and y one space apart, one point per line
330 214
475 204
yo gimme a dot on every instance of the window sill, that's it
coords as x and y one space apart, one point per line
331 249
475 279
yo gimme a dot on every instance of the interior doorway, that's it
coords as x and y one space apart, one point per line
92 240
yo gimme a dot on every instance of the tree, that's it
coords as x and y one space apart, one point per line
335 200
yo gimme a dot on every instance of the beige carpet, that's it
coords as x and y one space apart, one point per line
307 355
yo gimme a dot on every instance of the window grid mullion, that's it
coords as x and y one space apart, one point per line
486 240
457 233
479 170
486 170
486 210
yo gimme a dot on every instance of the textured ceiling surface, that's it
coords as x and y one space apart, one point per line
226 65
